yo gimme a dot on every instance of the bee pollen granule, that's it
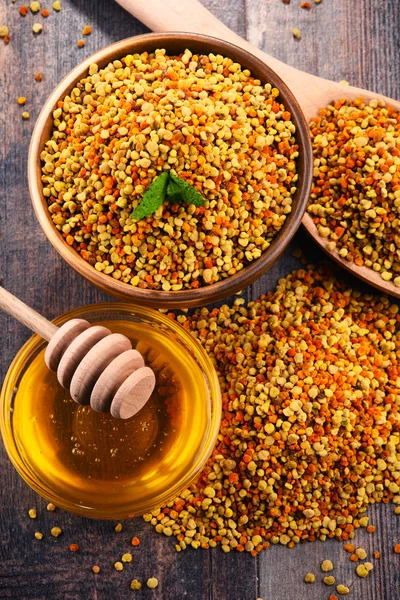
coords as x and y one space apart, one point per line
326 566
343 590
303 370
202 118
152 583
135 585
127 557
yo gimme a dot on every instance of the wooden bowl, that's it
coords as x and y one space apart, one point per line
174 43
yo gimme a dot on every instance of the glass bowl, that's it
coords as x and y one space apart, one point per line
92 464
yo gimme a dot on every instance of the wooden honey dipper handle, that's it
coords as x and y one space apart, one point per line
98 367
26 315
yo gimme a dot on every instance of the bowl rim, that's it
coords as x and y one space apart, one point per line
188 297
29 351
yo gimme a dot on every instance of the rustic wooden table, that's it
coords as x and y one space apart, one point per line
357 41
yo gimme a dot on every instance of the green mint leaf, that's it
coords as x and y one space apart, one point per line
153 198
179 191
166 185
174 190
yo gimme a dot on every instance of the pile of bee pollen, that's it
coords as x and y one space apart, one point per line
310 426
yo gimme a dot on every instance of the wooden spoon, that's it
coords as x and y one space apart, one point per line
100 368
312 92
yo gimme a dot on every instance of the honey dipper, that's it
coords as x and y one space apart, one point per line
98 367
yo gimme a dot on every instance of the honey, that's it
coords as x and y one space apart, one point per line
96 465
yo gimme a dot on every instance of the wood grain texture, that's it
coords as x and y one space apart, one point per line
340 40
26 315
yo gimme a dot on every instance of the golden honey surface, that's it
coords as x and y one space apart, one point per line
94 461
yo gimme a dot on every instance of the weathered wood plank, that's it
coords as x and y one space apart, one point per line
341 40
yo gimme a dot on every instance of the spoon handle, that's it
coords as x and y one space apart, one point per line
191 16
175 15
26 315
